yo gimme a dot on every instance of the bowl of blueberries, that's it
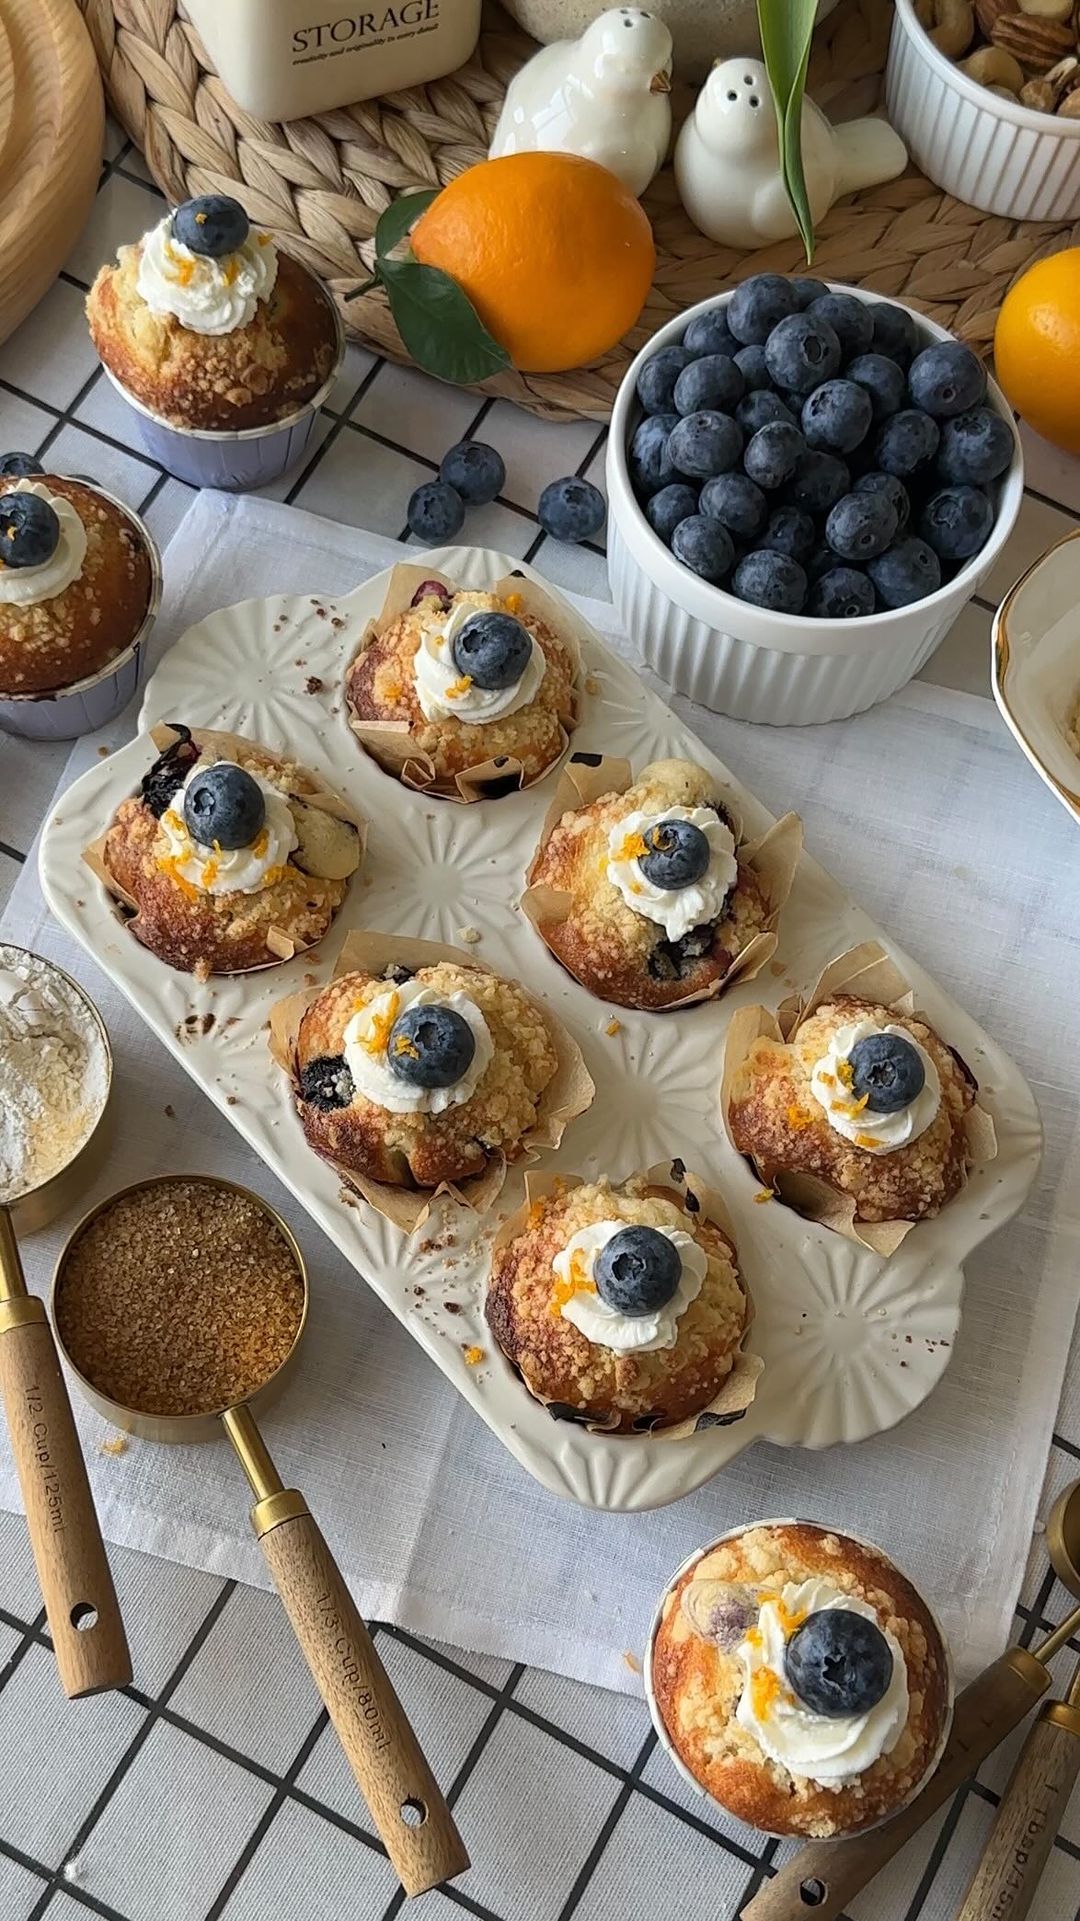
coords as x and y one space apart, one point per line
806 484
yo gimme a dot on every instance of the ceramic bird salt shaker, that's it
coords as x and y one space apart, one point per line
604 96
727 166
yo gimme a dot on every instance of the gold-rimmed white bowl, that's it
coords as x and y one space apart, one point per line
1035 666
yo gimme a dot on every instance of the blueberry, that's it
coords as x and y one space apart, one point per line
169 771
712 381
887 1069
836 416
760 409
804 289
20 466
431 590
895 332
882 379
436 511
656 380
430 1046
326 1083
821 561
709 333
790 531
879 483
906 442
476 471
840 593
224 803
493 649
851 320
838 1663
678 854
756 305
751 364
770 580
637 1271
819 481
704 444
906 571
956 522
975 447
214 225
29 531
861 525
946 379
673 503
571 509
648 459
773 453
801 352
704 546
734 500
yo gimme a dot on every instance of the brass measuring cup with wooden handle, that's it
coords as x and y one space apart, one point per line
825 1876
406 1803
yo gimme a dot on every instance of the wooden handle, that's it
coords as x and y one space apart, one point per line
404 1798
818 1882
84 1617
1026 1822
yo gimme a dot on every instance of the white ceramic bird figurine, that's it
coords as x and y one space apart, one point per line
727 165
604 96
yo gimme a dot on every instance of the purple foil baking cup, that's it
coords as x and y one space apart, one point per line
94 702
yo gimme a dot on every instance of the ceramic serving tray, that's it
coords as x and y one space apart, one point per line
851 1342
1036 666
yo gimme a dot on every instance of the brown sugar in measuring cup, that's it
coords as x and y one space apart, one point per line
180 1304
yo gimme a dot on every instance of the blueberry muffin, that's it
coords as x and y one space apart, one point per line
421 1077
204 322
868 1100
800 1679
618 1306
661 901
228 857
470 677
76 581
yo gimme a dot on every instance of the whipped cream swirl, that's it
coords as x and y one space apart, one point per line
876 1133
677 909
829 1749
444 692
230 870
206 296
606 1326
27 586
367 1035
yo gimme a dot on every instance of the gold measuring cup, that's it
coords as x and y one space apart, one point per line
825 1876
402 1794
76 1583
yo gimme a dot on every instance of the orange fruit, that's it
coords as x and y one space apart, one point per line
553 251
1037 347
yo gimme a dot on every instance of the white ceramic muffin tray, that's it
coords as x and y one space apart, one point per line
851 1342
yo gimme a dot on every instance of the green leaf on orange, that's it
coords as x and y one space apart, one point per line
439 324
396 220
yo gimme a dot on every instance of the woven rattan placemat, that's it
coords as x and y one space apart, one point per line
319 185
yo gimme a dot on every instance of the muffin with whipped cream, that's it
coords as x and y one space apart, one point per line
465 678
230 857
659 899
618 1306
799 1678
871 1101
417 1077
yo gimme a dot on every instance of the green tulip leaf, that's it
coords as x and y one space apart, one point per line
439 324
786 30
396 219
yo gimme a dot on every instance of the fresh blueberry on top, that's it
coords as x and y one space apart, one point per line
819 481
801 352
637 1271
475 470
751 364
888 1070
882 379
224 803
761 408
804 289
675 502
677 853
571 508
734 500
435 511
704 546
975 447
906 441
326 1083
836 416
704 444
906 571
712 381
648 459
895 332
790 531
29 530
841 593
656 380
214 225
20 466
876 482
773 453
493 649
709 333
861 525
956 522
946 379
756 305
770 580
430 1046
838 1663
851 321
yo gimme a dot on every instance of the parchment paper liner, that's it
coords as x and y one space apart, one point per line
774 857
567 1095
868 971
389 741
225 746
668 1180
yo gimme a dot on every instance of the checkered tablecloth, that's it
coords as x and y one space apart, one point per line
201 1791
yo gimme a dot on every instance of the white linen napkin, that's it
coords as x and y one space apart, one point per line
925 809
